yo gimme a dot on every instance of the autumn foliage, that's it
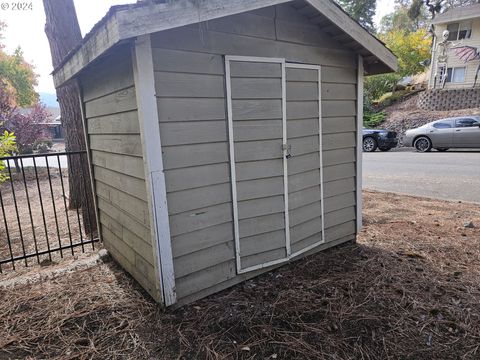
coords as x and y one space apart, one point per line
411 48
18 74
23 127
28 126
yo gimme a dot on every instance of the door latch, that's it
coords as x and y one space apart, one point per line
287 148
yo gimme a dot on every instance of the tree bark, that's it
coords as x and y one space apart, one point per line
63 33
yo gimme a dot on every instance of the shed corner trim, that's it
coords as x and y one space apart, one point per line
359 163
154 172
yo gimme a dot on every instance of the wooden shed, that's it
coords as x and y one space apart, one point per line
224 135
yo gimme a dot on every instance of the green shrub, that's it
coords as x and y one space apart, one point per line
372 119
378 85
391 97
7 147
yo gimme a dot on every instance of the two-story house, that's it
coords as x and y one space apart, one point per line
454 66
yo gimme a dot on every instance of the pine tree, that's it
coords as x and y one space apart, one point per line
63 33
361 10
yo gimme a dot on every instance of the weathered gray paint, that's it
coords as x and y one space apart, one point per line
194 136
304 175
117 159
189 79
252 100
123 23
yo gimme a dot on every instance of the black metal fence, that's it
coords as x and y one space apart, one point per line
38 224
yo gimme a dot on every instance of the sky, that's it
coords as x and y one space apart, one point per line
25 28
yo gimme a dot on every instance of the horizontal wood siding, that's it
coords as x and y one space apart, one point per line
304 165
219 272
117 160
339 141
193 129
255 139
190 86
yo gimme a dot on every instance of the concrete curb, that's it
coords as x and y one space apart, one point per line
47 274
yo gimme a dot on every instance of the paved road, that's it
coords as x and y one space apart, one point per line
453 175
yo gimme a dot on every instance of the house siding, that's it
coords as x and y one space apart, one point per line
454 61
112 125
190 87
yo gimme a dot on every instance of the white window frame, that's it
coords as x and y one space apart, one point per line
462 26
456 68
465 25
284 65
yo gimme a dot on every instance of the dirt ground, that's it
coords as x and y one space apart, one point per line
408 289
48 212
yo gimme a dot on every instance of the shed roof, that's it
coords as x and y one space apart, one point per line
124 22
458 14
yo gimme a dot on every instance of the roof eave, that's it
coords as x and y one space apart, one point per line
377 68
104 37
465 13
453 19
357 33
155 18
127 23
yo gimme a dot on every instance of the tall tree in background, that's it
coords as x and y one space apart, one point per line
400 19
63 33
435 7
361 10
411 49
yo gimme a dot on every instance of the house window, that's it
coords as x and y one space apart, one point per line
456 75
459 31
465 31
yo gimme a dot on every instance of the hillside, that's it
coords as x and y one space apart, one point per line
405 115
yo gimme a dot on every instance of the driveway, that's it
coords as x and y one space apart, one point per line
452 175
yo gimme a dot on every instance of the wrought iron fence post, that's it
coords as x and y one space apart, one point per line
26 209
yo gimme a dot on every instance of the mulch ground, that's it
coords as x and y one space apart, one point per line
408 289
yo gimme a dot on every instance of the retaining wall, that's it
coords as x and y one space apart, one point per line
454 99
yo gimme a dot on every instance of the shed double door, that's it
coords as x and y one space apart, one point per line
274 123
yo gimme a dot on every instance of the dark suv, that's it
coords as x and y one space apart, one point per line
379 139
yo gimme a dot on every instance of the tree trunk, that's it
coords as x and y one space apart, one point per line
63 33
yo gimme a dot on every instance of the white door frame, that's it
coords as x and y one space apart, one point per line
284 65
